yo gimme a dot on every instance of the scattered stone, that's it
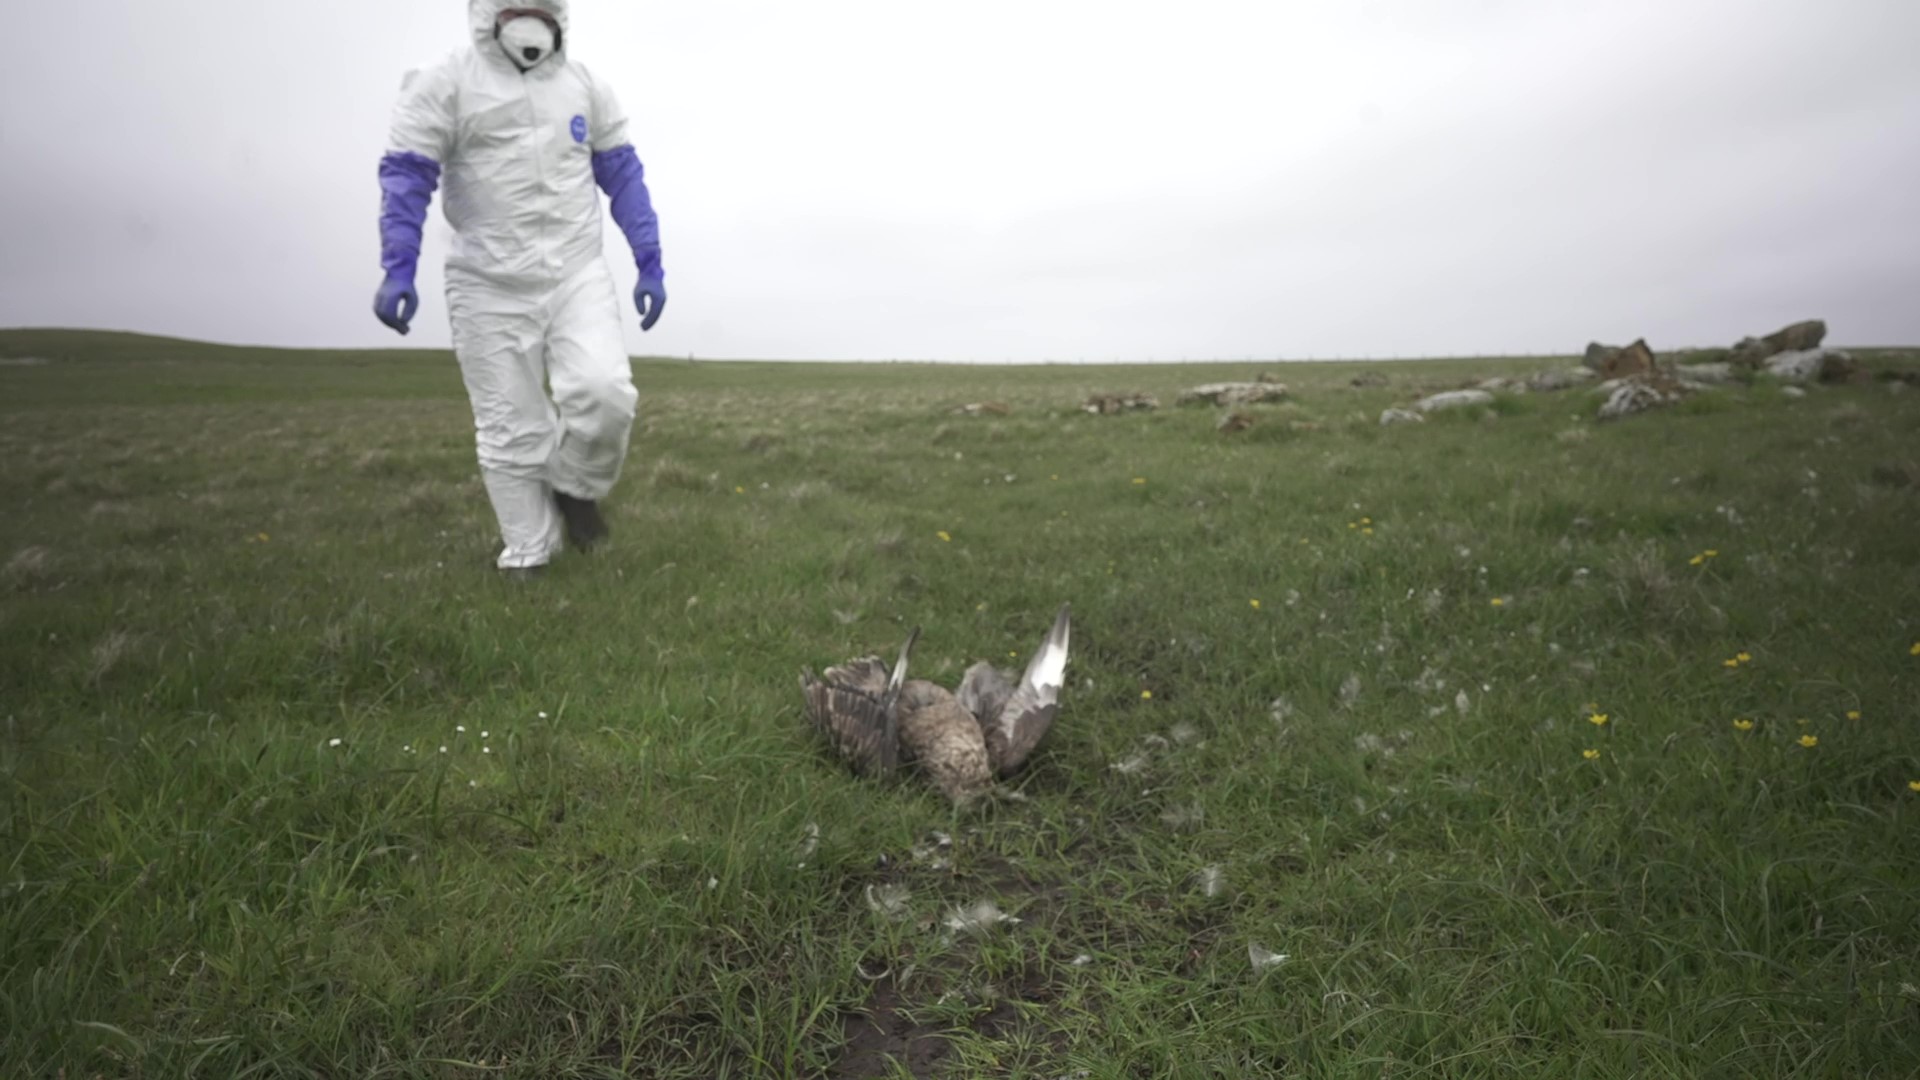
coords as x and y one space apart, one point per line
1370 380
1269 378
1109 404
1809 365
1498 384
1597 355
984 408
1794 391
1402 416
1800 337
1241 393
1635 359
1453 399
1706 374
1547 382
1638 395
1234 421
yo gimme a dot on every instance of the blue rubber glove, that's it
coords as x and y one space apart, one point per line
396 302
620 174
407 183
654 291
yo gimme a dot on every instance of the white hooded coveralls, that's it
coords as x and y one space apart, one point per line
529 294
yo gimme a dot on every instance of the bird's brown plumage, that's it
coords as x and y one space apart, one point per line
944 740
962 742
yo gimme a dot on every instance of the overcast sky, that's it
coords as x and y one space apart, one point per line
1022 179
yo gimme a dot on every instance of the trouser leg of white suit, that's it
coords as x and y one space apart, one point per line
510 342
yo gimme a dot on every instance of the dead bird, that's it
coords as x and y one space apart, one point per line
879 720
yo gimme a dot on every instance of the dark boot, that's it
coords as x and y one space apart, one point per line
586 529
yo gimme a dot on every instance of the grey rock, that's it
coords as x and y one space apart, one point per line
1454 399
1407 416
1242 393
1637 396
1800 337
1809 365
1547 382
1706 374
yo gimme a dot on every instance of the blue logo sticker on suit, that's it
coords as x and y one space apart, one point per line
579 129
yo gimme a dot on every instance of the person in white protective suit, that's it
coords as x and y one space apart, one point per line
521 136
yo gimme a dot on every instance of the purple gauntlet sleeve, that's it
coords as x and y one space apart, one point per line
620 174
407 183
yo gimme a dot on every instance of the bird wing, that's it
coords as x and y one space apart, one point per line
853 705
984 691
1022 721
848 707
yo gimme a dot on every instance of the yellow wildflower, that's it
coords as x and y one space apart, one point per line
1146 695
1733 663
1743 725
1696 560
1366 532
1366 521
1139 479
1255 604
1853 714
1712 554
1497 602
1809 741
739 491
1590 755
264 538
1745 658
1913 785
1598 719
1353 524
1915 651
944 536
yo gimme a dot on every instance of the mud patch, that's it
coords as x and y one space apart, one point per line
882 1033
920 1000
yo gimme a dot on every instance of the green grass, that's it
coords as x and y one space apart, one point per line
215 561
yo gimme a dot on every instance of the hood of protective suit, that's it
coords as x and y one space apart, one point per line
482 15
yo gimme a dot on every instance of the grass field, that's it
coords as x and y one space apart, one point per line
295 787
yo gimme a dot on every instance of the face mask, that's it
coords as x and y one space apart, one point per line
528 40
